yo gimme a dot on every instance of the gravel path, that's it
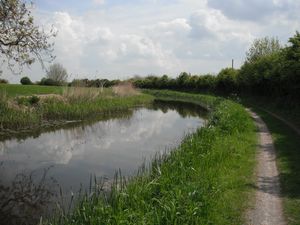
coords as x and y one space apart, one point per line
267 209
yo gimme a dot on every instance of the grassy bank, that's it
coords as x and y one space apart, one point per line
28 111
287 144
206 180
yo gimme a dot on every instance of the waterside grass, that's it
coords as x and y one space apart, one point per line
33 111
206 180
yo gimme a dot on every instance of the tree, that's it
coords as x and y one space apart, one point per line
21 41
48 82
57 73
293 51
262 47
226 81
25 81
290 69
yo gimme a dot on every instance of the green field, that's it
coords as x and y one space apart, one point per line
206 180
14 90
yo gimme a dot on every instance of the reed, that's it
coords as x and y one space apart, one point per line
75 103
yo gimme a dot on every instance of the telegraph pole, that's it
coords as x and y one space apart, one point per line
232 63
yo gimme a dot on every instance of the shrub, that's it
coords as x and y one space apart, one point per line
48 82
3 81
33 100
28 101
25 81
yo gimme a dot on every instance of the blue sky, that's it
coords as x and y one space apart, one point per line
118 39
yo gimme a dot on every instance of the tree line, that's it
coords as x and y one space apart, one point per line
57 75
269 70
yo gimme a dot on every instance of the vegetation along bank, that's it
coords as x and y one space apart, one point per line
30 107
206 180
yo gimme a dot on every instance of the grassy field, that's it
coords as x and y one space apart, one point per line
287 143
27 107
14 90
206 180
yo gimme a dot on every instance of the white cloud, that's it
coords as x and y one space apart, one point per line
141 37
99 2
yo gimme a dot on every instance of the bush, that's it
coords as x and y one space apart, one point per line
49 82
28 101
226 81
33 100
3 81
25 81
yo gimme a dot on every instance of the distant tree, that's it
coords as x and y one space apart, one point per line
226 81
48 82
163 81
25 81
21 42
57 73
183 79
207 82
262 47
293 50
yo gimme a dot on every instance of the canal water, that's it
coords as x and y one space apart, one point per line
38 170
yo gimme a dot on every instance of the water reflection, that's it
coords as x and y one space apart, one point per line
71 154
26 199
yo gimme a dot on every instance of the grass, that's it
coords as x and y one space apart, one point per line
14 90
28 112
287 109
287 144
206 180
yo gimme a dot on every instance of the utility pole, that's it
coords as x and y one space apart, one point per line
232 63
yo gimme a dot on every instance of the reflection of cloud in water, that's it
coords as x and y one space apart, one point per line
100 148
2 148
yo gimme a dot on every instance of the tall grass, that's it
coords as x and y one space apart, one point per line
206 180
80 94
73 104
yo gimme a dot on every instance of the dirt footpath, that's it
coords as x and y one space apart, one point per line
267 209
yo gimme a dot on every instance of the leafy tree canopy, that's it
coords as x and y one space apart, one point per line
262 47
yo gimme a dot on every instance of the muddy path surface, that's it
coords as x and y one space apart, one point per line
267 208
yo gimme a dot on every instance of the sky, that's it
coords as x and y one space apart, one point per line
117 39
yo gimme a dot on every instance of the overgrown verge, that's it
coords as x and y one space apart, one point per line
206 180
283 107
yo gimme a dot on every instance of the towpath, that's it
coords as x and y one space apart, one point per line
267 209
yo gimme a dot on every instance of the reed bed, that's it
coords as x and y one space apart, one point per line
74 103
125 89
